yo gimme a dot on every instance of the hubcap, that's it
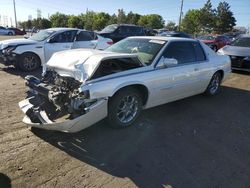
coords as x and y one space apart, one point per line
29 62
215 83
127 109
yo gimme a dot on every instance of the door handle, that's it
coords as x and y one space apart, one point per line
66 46
196 69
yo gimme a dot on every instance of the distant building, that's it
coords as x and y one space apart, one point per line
5 20
30 17
39 13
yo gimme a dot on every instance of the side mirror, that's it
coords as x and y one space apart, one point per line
167 62
50 40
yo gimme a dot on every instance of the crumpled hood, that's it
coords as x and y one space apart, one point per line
236 50
15 42
71 63
79 63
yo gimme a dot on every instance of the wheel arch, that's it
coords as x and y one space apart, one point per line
221 73
141 88
34 53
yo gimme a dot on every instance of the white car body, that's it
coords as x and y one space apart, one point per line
44 49
159 84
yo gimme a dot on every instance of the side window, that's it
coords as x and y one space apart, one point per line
123 30
182 51
200 55
84 36
219 38
66 36
93 35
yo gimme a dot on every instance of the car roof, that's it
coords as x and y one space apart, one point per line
164 38
129 25
62 29
245 36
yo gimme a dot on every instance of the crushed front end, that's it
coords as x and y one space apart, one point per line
57 103
8 57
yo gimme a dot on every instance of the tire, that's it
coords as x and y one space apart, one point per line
213 87
10 33
124 108
29 62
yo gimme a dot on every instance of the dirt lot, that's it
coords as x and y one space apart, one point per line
5 37
195 142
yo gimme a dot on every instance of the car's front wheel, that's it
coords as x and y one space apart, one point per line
214 84
124 108
29 62
10 33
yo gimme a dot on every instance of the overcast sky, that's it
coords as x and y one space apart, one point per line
168 9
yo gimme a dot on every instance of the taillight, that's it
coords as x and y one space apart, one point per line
110 42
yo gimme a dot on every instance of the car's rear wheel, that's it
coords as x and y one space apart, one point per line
214 84
29 62
124 108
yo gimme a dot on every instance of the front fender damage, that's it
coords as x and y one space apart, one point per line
94 113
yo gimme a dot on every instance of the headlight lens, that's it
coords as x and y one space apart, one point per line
9 49
247 58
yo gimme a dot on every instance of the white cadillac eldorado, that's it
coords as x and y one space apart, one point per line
81 87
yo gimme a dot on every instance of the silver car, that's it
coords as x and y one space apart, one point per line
81 87
5 31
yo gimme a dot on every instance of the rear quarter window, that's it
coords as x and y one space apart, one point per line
200 55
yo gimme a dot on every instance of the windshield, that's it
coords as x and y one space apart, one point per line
41 35
146 49
242 42
109 28
206 37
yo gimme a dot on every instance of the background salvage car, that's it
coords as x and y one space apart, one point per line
29 54
239 52
6 31
117 32
215 42
81 87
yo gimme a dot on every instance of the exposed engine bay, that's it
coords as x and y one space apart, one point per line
58 96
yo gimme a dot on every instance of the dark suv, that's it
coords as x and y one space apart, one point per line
117 32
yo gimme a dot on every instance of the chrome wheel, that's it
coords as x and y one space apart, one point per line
215 83
29 62
127 109
124 107
213 87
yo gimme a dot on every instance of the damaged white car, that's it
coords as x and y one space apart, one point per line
81 87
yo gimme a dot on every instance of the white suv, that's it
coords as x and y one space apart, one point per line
29 54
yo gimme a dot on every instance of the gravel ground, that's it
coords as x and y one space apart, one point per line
196 142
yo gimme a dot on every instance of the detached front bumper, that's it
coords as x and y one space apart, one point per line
94 113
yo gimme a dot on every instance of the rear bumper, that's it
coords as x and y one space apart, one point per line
95 113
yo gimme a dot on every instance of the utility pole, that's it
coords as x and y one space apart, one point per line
179 28
14 3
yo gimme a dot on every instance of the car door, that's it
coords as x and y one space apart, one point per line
59 42
122 32
84 40
178 81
